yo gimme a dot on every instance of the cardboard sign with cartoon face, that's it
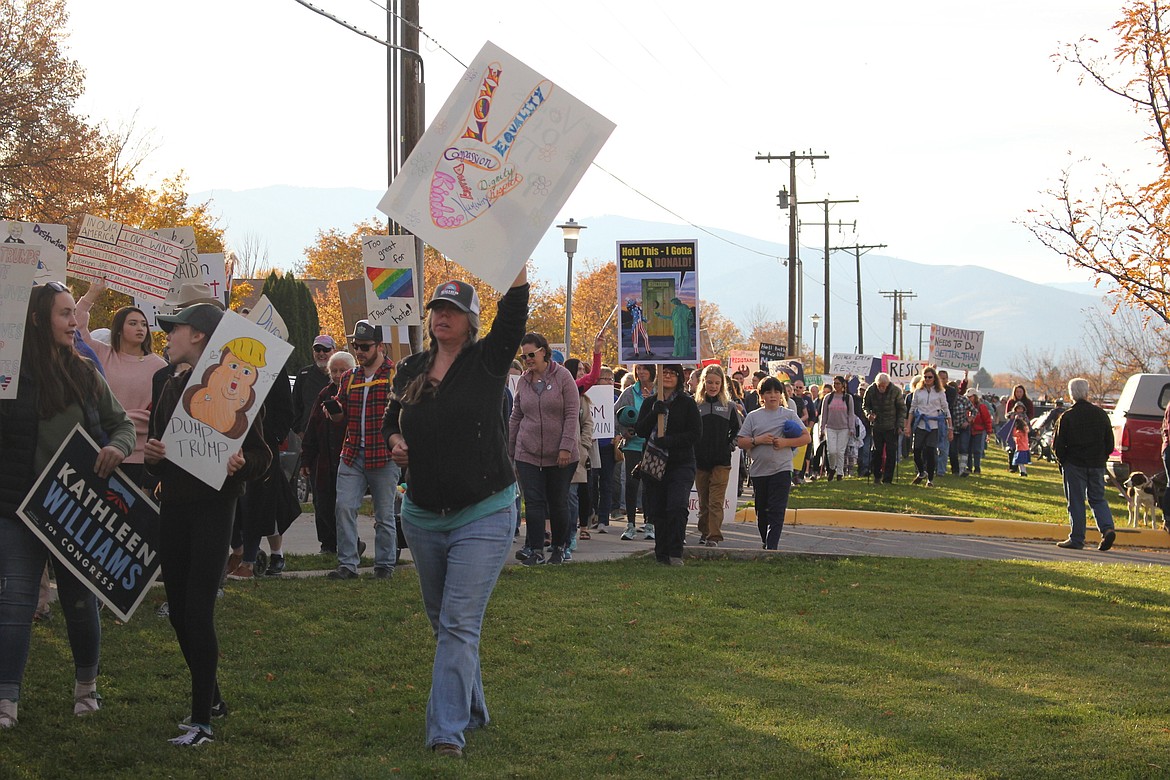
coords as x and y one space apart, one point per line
223 396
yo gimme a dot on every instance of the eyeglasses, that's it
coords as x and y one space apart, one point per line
363 347
319 348
56 287
529 355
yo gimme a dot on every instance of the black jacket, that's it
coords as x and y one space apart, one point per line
720 427
890 407
684 426
1084 436
308 385
177 484
456 435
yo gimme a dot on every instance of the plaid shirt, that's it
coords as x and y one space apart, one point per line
376 393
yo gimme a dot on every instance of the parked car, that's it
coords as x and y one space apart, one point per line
1137 423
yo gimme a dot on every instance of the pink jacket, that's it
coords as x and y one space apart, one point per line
545 417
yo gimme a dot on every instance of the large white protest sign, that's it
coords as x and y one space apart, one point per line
601 400
850 364
223 397
495 167
391 292
209 269
136 262
18 265
266 316
902 371
50 239
955 348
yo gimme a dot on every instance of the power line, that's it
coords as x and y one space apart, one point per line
675 214
442 48
416 28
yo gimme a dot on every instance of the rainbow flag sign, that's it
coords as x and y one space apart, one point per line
392 283
391 297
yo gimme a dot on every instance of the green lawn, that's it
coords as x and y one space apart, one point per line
995 493
793 667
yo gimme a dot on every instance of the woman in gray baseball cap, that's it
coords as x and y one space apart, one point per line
444 425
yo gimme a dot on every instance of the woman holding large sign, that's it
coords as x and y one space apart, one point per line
445 428
58 390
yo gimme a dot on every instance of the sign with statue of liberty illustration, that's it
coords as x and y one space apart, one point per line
495 167
658 301
223 395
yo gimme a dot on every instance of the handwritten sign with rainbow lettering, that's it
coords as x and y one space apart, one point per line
391 292
496 166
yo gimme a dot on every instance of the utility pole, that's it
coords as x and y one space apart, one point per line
920 326
899 316
405 89
858 250
788 198
826 203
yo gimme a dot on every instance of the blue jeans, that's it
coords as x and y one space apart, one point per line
352 482
1081 482
457 571
771 504
975 454
863 455
22 560
963 443
944 450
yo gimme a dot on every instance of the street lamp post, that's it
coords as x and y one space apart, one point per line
571 230
816 320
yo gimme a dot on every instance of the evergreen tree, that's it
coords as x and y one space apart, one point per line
292 299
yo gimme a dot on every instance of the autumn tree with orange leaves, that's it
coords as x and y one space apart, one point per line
1119 230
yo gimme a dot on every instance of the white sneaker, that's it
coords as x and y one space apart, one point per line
193 736
628 534
649 533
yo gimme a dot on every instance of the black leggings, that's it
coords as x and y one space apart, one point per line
926 452
194 538
633 485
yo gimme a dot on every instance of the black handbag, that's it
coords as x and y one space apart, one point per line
653 463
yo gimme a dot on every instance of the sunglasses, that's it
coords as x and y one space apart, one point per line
56 287
928 376
323 349
362 347
529 355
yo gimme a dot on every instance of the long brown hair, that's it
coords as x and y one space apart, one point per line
119 322
62 376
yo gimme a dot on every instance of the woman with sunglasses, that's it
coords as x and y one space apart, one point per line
444 425
542 440
58 389
929 419
129 364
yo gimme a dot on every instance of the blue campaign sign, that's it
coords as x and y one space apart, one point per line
104 530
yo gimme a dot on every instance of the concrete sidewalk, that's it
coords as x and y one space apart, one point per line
918 538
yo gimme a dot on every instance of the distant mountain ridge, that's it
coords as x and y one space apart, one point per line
738 273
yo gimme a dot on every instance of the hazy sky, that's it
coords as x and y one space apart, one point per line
946 120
